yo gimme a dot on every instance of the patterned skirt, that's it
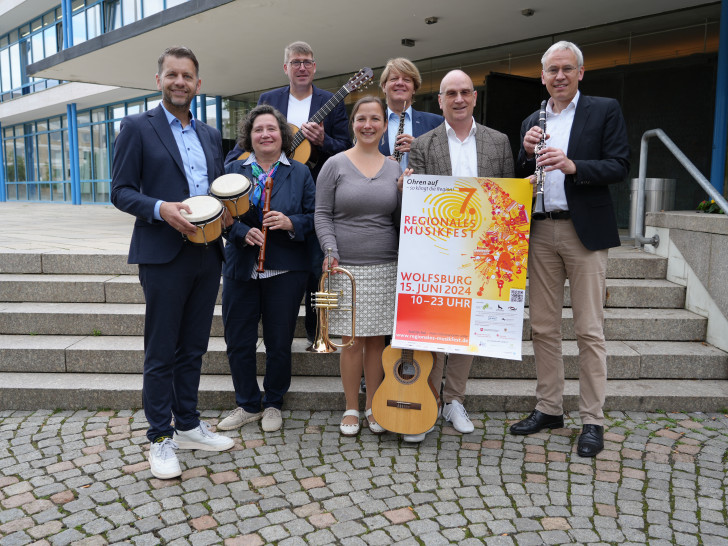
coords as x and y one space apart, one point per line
376 286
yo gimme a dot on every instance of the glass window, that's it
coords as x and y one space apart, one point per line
98 114
117 111
15 81
79 28
9 161
130 10
112 14
36 47
43 152
44 192
20 160
5 70
85 158
100 152
93 21
153 6
50 41
134 107
56 149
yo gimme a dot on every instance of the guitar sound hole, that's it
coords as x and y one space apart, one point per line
406 372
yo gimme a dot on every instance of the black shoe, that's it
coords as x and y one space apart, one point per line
363 385
536 422
591 441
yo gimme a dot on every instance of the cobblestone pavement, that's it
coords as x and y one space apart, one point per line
82 478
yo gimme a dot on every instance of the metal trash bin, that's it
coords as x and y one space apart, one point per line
659 195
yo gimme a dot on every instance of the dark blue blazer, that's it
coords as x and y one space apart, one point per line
294 195
421 123
147 167
599 148
336 124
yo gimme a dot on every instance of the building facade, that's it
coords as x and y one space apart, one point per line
58 135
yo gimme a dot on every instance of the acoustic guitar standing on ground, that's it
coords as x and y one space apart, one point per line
301 149
406 402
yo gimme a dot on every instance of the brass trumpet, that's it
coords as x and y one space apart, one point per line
324 301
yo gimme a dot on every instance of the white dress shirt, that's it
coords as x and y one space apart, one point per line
463 153
558 126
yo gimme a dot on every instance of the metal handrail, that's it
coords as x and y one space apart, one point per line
639 224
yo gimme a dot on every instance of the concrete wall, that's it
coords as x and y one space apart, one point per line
696 246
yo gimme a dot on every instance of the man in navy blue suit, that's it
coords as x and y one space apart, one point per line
162 157
586 150
298 102
400 81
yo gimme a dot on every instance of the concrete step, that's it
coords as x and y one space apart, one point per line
117 319
125 354
126 289
64 262
28 391
625 262
48 288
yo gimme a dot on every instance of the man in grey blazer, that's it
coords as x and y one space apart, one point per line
458 147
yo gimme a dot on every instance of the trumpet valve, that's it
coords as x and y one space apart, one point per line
325 300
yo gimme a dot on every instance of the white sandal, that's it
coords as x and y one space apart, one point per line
350 430
375 427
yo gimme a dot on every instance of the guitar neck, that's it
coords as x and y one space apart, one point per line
319 116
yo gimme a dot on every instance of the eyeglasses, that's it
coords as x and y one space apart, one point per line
554 70
452 94
308 63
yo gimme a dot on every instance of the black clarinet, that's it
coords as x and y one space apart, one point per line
397 155
539 211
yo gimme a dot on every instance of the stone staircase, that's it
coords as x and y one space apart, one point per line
71 337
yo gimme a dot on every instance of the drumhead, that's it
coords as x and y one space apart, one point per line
203 207
230 185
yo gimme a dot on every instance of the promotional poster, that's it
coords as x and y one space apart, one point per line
463 254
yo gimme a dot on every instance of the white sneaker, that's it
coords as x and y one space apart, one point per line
202 438
237 418
272 419
163 460
456 414
416 438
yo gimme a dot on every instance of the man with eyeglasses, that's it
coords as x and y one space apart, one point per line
586 150
298 102
458 147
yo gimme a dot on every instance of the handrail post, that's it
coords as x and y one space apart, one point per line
639 223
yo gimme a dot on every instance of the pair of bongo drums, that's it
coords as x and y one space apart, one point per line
229 191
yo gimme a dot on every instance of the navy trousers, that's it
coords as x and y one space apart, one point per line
180 297
276 300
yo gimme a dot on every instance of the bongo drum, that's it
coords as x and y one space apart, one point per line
207 216
232 189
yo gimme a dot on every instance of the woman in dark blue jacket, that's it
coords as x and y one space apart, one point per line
274 294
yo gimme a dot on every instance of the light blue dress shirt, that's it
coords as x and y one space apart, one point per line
193 157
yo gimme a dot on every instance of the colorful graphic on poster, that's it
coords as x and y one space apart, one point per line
463 254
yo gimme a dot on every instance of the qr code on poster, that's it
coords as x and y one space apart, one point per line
517 295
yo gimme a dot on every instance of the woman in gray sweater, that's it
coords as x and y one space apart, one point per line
357 217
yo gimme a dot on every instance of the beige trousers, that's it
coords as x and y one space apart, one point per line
556 253
456 376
